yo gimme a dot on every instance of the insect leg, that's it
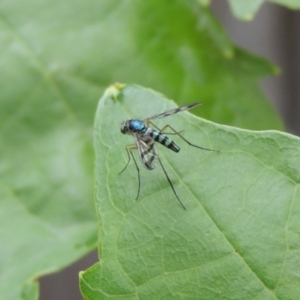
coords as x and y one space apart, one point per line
178 133
170 182
160 130
129 149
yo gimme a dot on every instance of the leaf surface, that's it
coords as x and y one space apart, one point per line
247 9
238 238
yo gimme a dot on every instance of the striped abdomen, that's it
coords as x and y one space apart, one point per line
164 140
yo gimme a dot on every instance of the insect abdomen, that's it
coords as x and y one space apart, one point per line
164 140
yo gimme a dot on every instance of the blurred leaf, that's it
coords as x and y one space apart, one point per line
292 4
239 237
30 291
204 2
247 9
56 58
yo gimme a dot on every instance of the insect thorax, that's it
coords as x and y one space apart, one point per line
131 126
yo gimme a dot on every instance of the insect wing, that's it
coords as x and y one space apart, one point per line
174 111
147 153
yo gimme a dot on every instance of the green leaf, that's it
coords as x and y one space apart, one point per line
30 291
292 4
239 237
247 9
204 2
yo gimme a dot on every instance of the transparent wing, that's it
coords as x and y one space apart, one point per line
174 111
147 152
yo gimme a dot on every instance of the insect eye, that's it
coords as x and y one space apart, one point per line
132 126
